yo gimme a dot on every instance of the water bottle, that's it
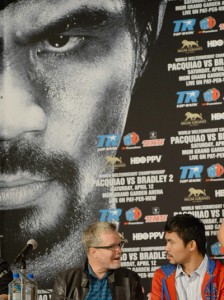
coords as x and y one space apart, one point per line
31 287
15 288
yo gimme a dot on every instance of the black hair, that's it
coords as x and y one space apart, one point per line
147 16
145 12
4 3
188 228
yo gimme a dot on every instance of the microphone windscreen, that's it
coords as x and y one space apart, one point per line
33 243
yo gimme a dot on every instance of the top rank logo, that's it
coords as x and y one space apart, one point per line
191 173
191 98
110 215
187 26
108 141
184 25
187 98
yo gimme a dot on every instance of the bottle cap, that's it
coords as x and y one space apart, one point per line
15 275
30 276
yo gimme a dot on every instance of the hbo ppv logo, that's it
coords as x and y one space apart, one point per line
215 43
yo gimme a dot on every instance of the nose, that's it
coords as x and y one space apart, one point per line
167 247
118 249
19 112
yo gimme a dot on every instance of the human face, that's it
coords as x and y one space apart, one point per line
108 259
177 252
67 73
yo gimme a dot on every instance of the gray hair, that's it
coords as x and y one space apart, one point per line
91 235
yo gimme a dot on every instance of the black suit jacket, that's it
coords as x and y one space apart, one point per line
5 276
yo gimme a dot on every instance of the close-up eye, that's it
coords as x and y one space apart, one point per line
60 43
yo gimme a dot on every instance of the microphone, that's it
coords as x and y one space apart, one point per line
31 245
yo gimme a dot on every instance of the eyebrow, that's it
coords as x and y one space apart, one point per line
81 19
169 239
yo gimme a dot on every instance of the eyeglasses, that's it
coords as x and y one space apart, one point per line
111 247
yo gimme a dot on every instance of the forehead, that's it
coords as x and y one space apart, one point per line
110 5
109 236
172 236
42 14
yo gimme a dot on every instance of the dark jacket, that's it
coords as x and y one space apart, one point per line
5 276
74 283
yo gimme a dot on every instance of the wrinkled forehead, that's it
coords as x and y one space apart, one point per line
37 15
109 5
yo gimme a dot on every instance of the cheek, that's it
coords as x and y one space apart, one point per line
74 84
80 87
179 251
96 102
84 97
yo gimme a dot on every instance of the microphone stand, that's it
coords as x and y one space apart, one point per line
23 277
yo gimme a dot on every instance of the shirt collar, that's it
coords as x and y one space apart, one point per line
179 271
200 270
203 266
90 271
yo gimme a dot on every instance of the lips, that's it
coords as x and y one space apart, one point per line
21 189
168 256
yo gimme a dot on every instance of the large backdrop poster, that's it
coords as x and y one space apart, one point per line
112 111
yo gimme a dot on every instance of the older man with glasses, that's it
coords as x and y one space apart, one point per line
102 276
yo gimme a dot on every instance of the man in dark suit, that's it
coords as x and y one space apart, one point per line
5 278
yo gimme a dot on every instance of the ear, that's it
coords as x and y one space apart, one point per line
192 245
92 252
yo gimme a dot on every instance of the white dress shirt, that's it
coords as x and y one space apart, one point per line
189 287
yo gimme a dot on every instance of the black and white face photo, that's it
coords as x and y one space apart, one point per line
68 68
